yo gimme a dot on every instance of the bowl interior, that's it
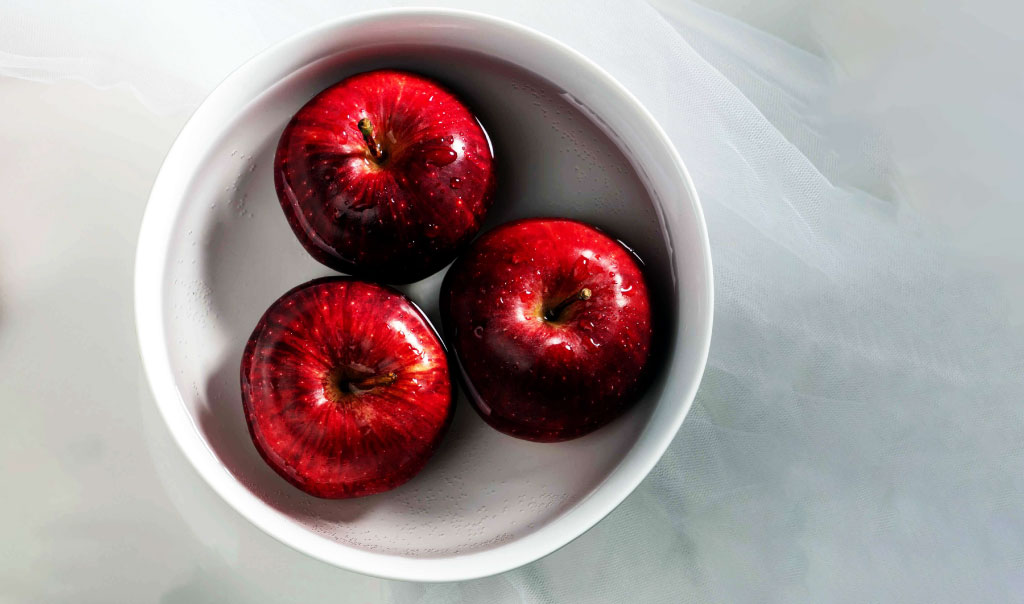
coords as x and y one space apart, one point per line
229 253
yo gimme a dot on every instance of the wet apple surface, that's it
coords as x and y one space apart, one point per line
386 175
345 388
550 321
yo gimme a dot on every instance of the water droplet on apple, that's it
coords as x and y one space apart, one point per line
478 331
579 268
441 157
433 230
455 182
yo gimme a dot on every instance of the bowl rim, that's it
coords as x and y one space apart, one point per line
152 253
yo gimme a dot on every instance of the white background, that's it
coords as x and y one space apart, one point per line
858 436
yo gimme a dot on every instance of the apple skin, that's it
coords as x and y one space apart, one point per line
540 379
398 218
312 410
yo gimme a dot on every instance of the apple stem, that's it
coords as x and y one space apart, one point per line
385 379
554 313
376 151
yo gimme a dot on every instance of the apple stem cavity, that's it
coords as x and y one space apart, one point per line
376 151
552 314
385 379
339 388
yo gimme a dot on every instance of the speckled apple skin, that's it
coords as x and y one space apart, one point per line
529 377
399 220
372 441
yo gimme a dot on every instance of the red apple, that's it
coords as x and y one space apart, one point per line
345 387
550 321
386 175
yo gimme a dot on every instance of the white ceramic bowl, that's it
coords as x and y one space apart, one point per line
215 251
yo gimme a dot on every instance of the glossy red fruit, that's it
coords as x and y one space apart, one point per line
386 175
346 388
550 321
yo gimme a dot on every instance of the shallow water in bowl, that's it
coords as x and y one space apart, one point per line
233 254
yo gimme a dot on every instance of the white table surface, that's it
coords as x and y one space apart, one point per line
97 503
